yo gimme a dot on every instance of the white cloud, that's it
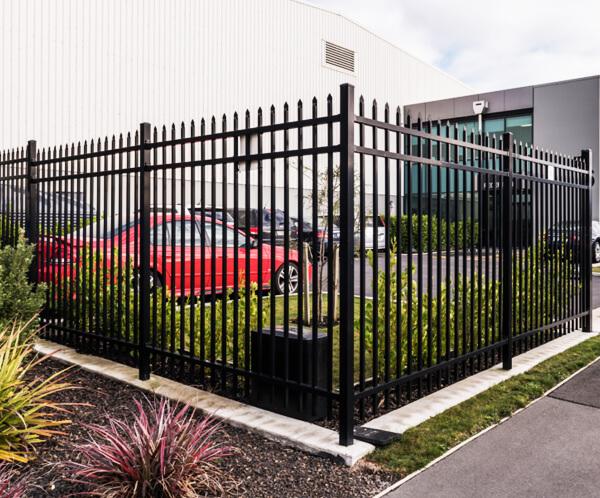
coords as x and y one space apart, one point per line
488 45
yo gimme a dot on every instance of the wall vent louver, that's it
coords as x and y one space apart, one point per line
339 57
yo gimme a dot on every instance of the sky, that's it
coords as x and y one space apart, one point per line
488 45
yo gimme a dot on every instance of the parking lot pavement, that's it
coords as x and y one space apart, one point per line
550 449
422 268
595 291
443 263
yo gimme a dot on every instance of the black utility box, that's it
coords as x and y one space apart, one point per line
271 395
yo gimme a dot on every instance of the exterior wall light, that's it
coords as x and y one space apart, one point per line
479 107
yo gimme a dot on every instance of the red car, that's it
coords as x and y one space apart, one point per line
57 255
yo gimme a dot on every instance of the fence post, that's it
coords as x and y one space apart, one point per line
507 249
144 265
347 264
32 222
586 248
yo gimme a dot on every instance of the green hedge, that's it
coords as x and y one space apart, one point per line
468 232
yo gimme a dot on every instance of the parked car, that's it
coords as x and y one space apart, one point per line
54 208
370 232
565 236
64 253
177 208
250 220
310 235
217 212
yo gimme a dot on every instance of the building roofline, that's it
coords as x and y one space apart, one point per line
538 85
393 45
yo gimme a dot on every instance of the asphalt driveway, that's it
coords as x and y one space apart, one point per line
551 449
443 262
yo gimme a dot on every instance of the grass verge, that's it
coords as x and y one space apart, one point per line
431 439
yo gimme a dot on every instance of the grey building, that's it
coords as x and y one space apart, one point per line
563 116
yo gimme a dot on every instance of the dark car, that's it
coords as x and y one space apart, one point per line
260 222
566 237
64 209
320 235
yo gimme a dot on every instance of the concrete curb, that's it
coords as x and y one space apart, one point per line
417 412
288 431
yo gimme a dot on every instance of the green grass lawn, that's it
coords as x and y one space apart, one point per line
431 439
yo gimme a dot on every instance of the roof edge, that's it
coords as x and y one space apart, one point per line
393 45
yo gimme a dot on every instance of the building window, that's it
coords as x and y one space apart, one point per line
462 187
494 126
520 126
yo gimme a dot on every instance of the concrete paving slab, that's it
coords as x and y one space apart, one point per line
551 449
583 388
417 412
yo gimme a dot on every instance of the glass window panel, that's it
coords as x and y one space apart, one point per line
472 127
157 233
493 126
521 128
189 229
229 233
524 121
414 146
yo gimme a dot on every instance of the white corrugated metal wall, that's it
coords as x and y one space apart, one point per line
75 69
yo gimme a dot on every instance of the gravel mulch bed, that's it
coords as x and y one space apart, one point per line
260 467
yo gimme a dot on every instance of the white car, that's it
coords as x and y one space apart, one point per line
369 238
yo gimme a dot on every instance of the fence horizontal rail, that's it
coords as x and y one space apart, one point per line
79 156
265 156
244 132
428 371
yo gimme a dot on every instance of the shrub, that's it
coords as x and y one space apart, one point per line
98 296
105 299
468 232
468 291
534 273
11 485
163 452
19 299
27 413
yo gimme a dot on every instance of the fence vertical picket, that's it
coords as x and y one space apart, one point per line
32 221
586 262
347 264
507 249
144 264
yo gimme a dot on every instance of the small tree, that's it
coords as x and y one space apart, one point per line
329 184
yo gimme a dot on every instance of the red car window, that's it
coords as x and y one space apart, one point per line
183 231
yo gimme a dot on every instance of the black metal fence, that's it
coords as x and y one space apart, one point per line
268 256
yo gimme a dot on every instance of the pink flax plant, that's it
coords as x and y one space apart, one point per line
165 451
